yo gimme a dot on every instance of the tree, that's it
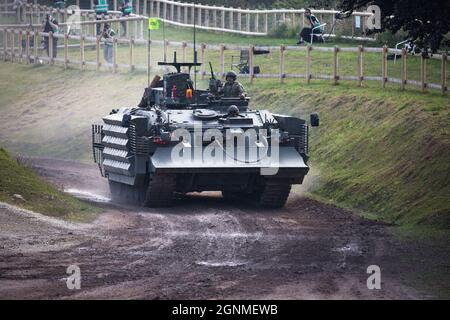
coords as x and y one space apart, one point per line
426 22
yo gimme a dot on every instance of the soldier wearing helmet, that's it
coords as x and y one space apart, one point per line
232 88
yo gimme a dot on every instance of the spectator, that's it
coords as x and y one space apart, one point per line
51 25
17 5
59 4
305 34
108 35
127 8
101 9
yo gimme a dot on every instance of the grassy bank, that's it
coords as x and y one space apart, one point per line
385 153
22 187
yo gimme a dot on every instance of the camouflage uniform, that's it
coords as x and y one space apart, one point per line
231 90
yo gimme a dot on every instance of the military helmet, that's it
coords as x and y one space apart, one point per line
231 74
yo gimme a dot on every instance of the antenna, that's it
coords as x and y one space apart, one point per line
195 55
164 38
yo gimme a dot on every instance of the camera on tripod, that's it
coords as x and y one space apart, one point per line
342 15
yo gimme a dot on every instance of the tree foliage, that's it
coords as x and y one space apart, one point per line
426 22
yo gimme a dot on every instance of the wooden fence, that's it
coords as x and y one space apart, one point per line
215 18
247 21
17 47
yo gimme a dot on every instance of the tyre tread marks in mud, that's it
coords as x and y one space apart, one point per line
160 191
274 193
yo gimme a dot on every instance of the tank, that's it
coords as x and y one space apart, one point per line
181 139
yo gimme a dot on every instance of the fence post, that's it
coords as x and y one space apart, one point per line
131 55
27 47
66 50
13 53
5 44
222 61
239 18
360 65
202 60
199 19
282 75
144 8
248 22
114 55
97 54
308 63
36 43
50 46
251 69
257 22
444 73
19 47
423 72
335 65
403 69
384 67
183 47
81 53
266 23
223 18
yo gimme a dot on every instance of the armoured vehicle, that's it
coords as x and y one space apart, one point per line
181 139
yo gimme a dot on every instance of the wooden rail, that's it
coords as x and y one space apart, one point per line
13 49
214 18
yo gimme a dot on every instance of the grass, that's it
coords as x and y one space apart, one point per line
20 186
322 62
381 152
385 153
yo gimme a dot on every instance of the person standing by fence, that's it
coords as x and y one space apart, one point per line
108 35
127 8
101 9
51 25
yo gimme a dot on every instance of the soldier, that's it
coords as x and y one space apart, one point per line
232 88
101 10
127 9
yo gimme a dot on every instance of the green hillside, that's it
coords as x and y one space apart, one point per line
385 153
22 187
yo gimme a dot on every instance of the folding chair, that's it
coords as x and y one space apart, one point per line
319 34
242 65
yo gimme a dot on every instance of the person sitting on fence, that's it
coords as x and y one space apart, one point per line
232 88
108 35
101 10
127 8
305 34
50 25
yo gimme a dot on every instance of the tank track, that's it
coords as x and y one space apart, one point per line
274 194
160 191
125 193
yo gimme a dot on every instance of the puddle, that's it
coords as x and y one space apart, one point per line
86 195
351 248
221 263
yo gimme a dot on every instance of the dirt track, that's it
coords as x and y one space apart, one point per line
201 248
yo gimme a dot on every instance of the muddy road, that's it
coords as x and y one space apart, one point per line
203 248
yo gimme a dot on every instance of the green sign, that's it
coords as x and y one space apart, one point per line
153 23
